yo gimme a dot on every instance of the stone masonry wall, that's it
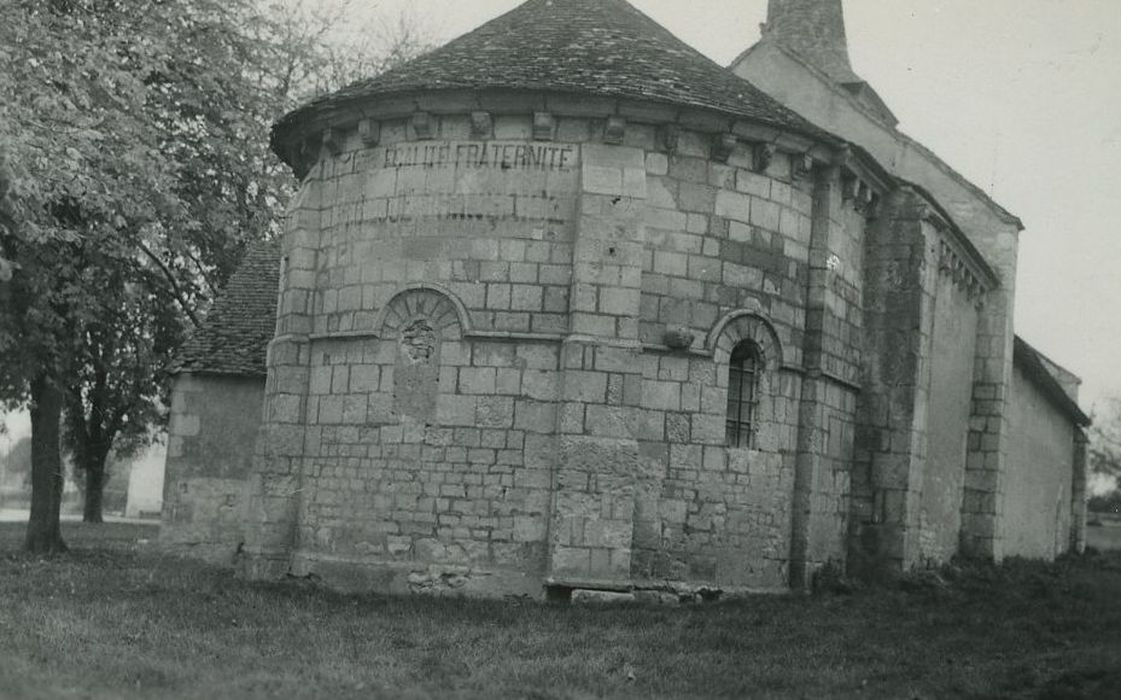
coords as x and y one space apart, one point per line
891 441
911 458
723 237
478 311
437 479
951 352
213 425
593 502
995 234
834 357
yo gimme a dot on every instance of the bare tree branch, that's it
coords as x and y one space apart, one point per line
179 296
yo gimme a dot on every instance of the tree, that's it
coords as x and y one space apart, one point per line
1105 440
115 395
134 169
1104 454
83 175
232 185
1106 503
103 226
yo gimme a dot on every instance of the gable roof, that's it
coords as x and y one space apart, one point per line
866 95
592 47
815 31
888 121
1034 365
234 337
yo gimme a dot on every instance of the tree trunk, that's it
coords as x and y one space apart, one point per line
95 484
44 534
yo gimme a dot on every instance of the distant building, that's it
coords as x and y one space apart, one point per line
145 482
565 305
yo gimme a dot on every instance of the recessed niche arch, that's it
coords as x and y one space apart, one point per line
419 320
445 312
737 326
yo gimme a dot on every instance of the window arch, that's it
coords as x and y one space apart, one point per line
744 367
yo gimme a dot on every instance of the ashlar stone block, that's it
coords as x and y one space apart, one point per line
733 205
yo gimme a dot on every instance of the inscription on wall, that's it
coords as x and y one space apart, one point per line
479 154
440 188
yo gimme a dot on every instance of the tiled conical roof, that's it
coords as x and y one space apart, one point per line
594 47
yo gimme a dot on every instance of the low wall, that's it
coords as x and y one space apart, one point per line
211 434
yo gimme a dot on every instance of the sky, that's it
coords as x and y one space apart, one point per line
1023 97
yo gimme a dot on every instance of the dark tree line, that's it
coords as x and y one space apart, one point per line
1104 453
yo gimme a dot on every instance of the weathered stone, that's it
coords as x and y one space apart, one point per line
600 342
583 596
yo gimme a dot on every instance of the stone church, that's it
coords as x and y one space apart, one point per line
565 305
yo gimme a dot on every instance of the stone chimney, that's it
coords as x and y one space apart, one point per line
815 29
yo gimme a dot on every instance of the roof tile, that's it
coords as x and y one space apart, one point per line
592 47
234 337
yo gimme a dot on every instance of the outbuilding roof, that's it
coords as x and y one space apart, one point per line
1034 365
234 337
591 47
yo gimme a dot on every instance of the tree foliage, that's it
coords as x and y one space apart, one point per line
1105 440
129 198
1106 503
134 170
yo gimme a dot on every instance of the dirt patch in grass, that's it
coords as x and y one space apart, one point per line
126 621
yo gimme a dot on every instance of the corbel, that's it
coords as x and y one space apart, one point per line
874 207
306 155
722 147
423 125
482 125
332 141
369 131
842 157
679 338
670 137
544 126
864 196
763 153
801 166
614 130
944 256
850 186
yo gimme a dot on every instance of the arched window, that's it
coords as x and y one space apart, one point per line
743 375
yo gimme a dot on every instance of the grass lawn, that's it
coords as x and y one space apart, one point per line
115 619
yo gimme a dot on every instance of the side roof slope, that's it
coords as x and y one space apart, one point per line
593 47
234 337
852 92
1034 365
